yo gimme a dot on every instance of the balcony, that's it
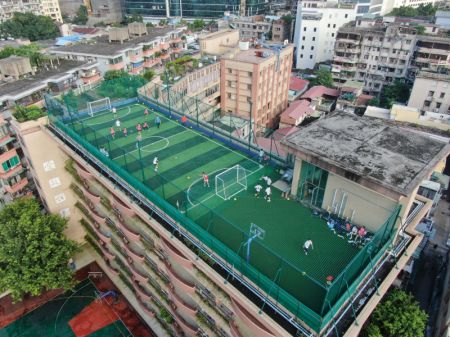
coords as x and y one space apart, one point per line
82 173
144 307
345 59
112 269
17 186
180 283
137 275
12 172
137 70
106 252
131 235
95 199
164 46
432 51
257 328
105 238
8 155
190 310
141 292
234 330
176 40
97 218
117 66
165 56
188 329
152 62
177 50
133 255
91 78
121 207
135 58
176 255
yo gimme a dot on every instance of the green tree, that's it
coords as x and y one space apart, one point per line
34 253
121 87
134 17
374 102
32 51
287 18
323 77
82 16
163 22
399 315
420 30
197 24
112 74
30 26
27 113
397 92
149 75
421 10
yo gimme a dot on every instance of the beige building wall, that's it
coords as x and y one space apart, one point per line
413 115
431 92
253 82
47 166
51 8
368 207
219 43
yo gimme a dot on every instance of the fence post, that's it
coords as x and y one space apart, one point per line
196 108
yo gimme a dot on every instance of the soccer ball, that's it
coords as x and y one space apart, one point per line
235 198
189 177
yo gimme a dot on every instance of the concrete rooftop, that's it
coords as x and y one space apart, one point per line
20 88
101 46
371 148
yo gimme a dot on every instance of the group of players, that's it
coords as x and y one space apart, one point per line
139 126
267 191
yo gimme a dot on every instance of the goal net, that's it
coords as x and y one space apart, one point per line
231 182
99 105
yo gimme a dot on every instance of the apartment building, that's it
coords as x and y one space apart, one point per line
431 92
40 7
22 84
384 7
14 180
375 54
281 30
132 49
255 82
316 27
378 53
251 27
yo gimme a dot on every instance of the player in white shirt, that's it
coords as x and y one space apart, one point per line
258 189
307 246
267 180
268 191
114 111
155 163
118 124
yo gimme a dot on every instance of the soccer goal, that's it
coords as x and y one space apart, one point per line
99 105
231 182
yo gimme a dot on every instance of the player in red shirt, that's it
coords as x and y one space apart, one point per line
205 179
113 132
125 132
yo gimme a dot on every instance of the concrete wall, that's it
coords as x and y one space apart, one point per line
218 43
431 94
371 208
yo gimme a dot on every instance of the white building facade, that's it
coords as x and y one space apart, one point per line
39 7
316 28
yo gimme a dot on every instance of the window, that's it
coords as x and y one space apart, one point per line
426 103
314 39
301 56
230 71
312 48
229 95
329 25
332 34
346 16
303 47
431 93
304 29
310 57
438 105
9 164
303 38
334 25
315 29
442 95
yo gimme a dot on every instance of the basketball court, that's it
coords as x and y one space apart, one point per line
76 313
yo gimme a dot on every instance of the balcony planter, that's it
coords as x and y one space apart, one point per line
182 305
146 310
105 251
97 218
95 199
175 254
234 330
141 293
185 326
114 271
133 255
180 283
121 207
137 275
250 321
132 236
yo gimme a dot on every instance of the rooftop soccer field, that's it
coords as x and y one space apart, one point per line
184 154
